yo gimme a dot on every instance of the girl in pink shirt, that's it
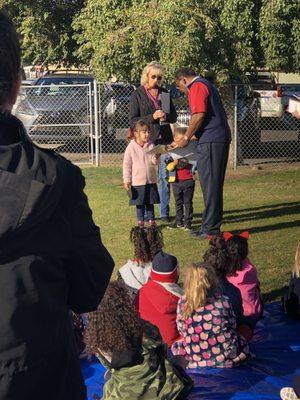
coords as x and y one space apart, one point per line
243 275
139 173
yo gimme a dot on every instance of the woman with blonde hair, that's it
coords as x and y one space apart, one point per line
145 104
291 300
207 324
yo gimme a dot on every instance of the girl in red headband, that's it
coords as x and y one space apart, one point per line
243 274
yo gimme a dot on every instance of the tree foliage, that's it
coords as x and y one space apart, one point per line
119 37
45 27
279 34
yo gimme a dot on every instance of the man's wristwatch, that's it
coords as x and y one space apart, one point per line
186 138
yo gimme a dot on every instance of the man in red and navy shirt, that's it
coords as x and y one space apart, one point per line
209 124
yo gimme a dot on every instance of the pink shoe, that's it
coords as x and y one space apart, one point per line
141 224
152 222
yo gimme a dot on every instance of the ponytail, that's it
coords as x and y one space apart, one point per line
200 280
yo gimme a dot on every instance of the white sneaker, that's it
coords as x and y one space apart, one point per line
288 393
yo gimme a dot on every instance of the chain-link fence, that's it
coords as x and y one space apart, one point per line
90 122
265 131
59 117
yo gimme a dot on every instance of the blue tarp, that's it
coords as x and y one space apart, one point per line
276 346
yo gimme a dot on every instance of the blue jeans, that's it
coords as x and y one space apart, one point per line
163 187
143 210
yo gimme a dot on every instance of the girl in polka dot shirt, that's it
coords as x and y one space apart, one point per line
207 324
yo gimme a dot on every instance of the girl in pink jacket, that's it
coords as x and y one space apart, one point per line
243 275
139 173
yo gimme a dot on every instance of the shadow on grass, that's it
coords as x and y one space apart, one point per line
272 211
271 206
274 294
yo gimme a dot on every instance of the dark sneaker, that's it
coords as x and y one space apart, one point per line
176 226
200 235
188 227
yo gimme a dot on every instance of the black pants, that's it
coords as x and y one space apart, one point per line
211 165
183 194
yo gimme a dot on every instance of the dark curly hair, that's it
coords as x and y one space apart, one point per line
237 248
217 255
115 325
146 241
155 240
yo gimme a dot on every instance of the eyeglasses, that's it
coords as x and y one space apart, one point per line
158 77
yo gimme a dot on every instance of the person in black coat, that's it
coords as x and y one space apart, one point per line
52 259
145 104
291 299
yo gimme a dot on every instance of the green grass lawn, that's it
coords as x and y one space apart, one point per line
264 202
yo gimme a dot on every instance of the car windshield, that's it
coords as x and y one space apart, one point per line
57 85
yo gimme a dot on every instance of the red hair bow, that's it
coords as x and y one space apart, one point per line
228 235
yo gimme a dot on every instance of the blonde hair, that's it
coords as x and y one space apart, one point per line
200 279
151 65
296 269
179 130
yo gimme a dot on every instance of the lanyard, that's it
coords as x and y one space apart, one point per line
155 100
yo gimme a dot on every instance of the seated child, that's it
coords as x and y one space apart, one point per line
243 274
157 299
207 324
217 257
181 177
147 242
291 300
133 352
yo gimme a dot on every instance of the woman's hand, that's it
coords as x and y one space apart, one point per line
159 114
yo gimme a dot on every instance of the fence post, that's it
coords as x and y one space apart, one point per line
96 123
235 128
100 121
91 121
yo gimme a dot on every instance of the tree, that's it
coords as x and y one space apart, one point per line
121 37
279 33
46 29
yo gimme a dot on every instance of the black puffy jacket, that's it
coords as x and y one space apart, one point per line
51 260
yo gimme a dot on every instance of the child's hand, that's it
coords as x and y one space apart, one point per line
127 186
156 158
175 162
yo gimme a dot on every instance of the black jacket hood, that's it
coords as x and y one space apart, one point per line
29 175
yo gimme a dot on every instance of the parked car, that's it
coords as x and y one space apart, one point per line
55 109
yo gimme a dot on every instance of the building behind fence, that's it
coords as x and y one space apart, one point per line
89 123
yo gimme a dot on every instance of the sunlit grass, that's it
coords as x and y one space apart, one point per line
266 203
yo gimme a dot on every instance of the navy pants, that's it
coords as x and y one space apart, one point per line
143 210
183 193
211 165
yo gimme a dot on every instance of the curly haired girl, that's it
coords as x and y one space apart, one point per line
147 242
132 350
207 324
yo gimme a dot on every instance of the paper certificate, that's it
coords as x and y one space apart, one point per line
189 152
160 149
